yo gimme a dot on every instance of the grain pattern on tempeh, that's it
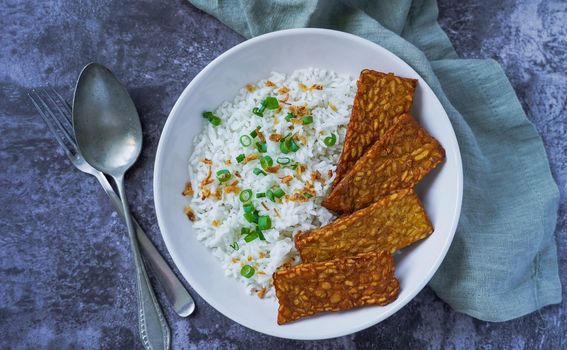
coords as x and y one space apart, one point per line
392 223
379 102
400 159
335 285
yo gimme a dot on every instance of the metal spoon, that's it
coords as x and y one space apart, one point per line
109 135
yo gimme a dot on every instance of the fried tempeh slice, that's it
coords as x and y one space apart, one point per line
392 223
335 285
404 155
379 102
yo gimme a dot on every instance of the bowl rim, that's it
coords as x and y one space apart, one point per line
177 258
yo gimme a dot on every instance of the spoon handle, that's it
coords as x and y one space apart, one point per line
154 330
178 296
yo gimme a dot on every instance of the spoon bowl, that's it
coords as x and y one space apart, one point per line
106 123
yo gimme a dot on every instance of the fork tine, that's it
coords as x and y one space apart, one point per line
68 111
47 115
66 129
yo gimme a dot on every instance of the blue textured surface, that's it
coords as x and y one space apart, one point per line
65 271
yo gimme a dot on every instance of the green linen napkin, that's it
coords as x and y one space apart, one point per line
503 261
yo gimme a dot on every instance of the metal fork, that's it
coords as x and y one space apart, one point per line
56 113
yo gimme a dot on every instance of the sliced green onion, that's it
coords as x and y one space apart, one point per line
213 119
251 217
235 246
306 120
264 222
245 140
283 160
245 195
240 158
247 271
266 162
278 192
292 165
284 146
260 194
259 111
288 144
288 117
270 195
216 121
248 207
308 195
271 103
223 175
254 133
262 147
260 234
250 237
258 171
244 231
294 147
330 140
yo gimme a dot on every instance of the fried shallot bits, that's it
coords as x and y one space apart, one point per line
335 285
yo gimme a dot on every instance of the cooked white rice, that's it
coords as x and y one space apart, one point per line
218 223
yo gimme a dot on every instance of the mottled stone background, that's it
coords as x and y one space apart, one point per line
66 278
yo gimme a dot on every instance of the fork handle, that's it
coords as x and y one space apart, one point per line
154 331
175 292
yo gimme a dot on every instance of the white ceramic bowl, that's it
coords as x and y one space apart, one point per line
253 60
